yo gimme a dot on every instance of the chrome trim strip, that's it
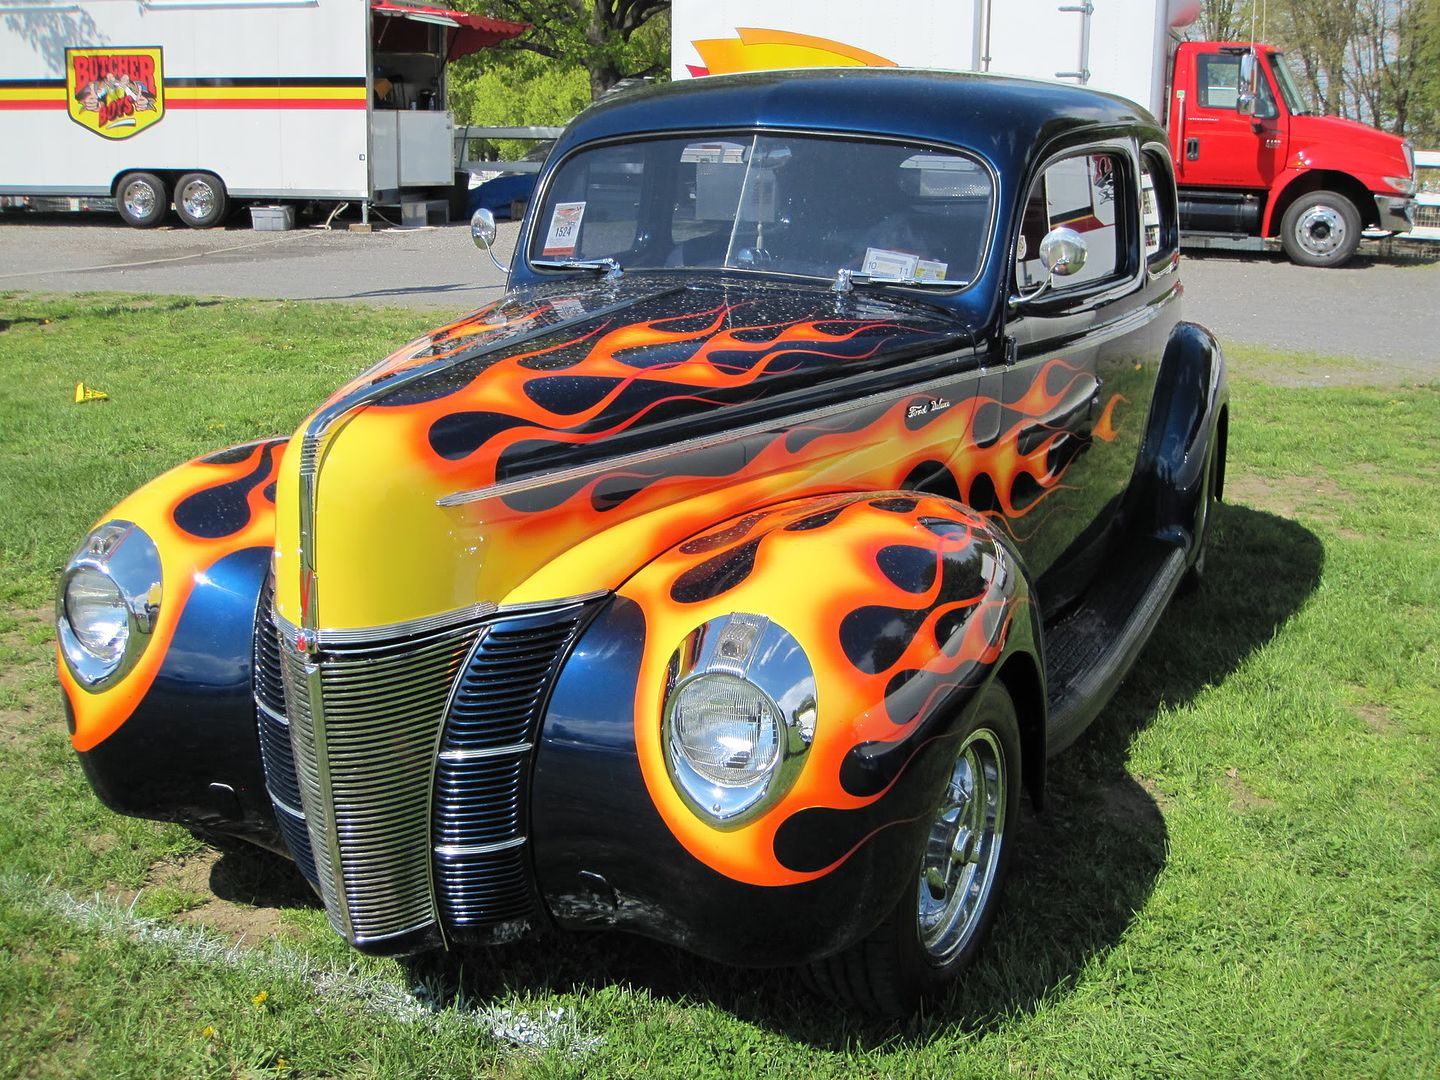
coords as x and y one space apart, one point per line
388 633
456 757
281 804
278 717
705 442
458 850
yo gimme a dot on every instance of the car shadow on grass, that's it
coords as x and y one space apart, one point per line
1081 869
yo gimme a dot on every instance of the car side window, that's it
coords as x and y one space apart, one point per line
1159 235
1080 193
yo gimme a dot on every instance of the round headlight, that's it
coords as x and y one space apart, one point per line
725 728
739 717
97 614
109 599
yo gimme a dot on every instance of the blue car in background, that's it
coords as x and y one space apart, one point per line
498 185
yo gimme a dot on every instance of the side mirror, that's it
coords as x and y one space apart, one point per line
1245 92
482 231
1063 252
1247 71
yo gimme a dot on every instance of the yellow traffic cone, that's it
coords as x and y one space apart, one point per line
88 393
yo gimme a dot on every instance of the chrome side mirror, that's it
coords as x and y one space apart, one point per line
1245 92
482 231
1063 252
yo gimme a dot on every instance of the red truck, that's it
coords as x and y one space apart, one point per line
1253 163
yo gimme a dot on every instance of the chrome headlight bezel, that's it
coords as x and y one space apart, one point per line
123 555
741 652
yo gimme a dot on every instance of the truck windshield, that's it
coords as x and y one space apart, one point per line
780 204
1289 88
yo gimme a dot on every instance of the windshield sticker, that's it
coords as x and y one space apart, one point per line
564 234
884 263
930 270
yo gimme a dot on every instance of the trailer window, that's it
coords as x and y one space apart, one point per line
1083 193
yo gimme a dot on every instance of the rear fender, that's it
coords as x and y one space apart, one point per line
906 607
175 737
1184 434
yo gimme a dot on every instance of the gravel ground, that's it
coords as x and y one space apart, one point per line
1384 312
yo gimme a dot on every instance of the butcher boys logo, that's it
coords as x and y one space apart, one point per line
113 92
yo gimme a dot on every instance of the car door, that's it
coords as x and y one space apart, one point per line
1083 353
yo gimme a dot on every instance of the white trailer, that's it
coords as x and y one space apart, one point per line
205 102
1119 47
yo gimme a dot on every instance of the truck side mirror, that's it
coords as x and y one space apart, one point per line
1245 96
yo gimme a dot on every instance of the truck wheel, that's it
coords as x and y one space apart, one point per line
1320 229
141 199
200 200
935 930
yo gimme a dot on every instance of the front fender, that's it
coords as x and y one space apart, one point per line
906 607
175 738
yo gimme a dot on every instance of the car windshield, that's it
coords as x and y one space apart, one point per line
782 204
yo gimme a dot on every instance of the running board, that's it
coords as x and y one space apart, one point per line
1091 648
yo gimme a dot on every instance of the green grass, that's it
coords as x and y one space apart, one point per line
1238 872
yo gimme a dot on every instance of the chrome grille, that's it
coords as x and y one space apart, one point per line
480 811
365 719
281 783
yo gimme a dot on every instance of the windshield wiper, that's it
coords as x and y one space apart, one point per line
609 267
846 280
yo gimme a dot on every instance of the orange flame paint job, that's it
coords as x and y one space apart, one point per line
184 557
843 546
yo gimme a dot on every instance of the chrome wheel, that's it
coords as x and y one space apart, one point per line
200 200
962 854
1322 228
197 198
1321 231
140 200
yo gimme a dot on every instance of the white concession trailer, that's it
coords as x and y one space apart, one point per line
206 102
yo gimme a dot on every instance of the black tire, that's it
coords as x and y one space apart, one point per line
141 199
929 938
1321 229
200 200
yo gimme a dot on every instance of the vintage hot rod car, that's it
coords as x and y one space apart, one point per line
832 455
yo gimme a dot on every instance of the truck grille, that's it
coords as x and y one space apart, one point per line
398 764
479 818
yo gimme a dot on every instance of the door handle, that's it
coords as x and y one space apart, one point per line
1192 149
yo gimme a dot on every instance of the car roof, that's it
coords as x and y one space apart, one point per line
994 115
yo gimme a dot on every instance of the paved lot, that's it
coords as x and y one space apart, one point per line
1373 310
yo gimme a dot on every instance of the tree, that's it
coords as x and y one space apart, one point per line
610 39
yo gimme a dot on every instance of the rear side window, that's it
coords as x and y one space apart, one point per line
1159 235
1083 193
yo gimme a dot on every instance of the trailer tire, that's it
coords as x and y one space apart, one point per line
200 200
141 199
1321 229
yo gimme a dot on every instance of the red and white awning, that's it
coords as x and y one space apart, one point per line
469 33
